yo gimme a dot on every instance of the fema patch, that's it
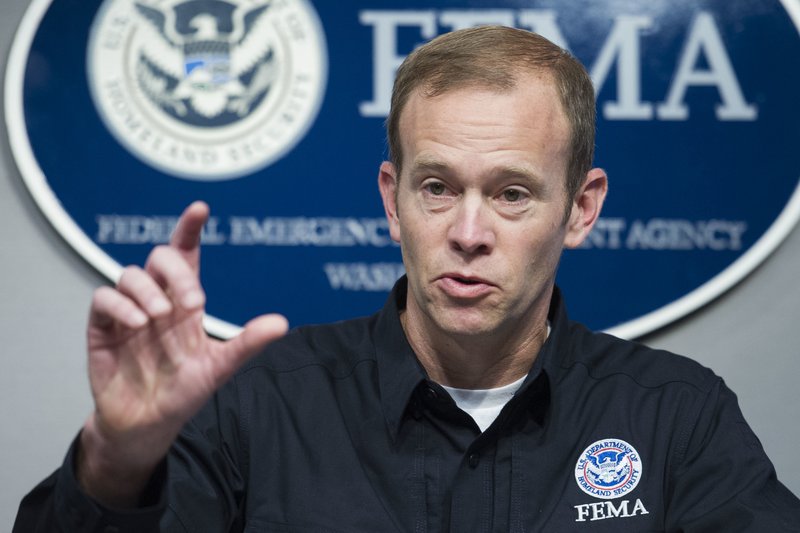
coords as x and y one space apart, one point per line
608 468
207 90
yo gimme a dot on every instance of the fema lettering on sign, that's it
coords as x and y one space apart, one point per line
168 100
621 50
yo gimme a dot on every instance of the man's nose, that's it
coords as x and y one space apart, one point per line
471 231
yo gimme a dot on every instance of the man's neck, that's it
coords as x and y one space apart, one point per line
473 362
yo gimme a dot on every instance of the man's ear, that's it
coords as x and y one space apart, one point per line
387 183
586 207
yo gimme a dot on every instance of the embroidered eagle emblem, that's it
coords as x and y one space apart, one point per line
607 468
207 67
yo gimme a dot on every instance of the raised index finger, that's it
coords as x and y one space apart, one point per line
186 237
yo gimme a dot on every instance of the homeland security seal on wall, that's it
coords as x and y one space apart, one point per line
608 468
205 89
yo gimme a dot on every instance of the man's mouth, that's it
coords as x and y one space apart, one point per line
461 286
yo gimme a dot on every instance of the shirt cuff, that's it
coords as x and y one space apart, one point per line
79 512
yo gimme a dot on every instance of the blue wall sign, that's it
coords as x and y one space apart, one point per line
121 112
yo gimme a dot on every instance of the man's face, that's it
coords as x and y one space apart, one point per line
479 207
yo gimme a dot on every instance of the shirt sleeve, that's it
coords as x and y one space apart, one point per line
723 480
58 505
196 488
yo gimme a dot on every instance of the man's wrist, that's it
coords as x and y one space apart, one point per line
108 473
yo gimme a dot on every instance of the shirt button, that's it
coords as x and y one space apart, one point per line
473 460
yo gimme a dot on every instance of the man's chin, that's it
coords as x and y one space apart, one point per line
466 324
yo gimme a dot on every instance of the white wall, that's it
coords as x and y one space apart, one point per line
750 336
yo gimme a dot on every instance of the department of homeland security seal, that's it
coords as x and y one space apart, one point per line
207 89
608 468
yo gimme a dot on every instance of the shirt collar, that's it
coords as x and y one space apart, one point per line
400 373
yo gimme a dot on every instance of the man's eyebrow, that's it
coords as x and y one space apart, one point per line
429 164
525 176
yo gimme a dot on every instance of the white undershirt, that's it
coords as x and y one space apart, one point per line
484 405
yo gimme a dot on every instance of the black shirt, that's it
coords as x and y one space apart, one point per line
338 428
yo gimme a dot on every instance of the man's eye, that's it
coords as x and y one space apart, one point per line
436 188
512 195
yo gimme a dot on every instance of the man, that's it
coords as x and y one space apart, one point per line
469 403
